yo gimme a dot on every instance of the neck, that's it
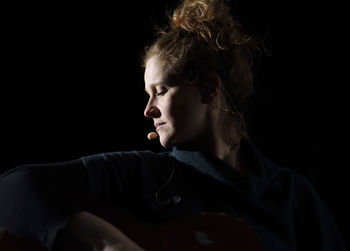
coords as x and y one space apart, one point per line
214 145
220 139
229 154
225 140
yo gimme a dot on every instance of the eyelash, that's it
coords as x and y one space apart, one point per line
161 93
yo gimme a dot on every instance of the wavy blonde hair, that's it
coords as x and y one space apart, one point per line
203 37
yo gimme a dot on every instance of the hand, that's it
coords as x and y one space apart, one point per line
123 247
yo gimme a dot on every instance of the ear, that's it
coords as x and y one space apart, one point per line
210 88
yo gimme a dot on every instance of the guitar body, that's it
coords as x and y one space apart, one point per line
9 242
204 232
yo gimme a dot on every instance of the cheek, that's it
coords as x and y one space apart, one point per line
171 113
186 113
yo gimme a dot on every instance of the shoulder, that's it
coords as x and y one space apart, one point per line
286 180
273 177
123 170
126 158
281 174
295 184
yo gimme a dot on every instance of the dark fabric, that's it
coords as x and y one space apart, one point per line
281 205
36 201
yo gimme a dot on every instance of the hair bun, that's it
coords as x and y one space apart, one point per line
210 19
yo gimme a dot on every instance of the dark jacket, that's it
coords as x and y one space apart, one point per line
280 204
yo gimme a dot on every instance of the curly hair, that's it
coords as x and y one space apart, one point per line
203 37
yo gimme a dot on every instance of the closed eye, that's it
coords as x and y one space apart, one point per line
161 93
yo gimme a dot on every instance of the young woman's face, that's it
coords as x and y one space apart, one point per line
176 108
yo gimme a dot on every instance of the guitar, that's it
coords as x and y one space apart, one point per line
204 232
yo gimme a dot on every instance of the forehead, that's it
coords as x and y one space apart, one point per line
155 72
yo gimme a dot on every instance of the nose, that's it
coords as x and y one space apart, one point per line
151 111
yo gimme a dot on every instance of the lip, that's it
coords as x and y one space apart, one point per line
158 125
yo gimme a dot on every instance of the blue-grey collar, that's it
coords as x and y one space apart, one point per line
221 171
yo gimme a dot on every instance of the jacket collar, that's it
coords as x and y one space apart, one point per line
222 172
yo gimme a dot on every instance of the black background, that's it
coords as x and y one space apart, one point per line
72 84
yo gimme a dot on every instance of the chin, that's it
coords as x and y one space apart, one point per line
166 141
166 144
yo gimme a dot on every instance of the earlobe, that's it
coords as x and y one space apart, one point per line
210 88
